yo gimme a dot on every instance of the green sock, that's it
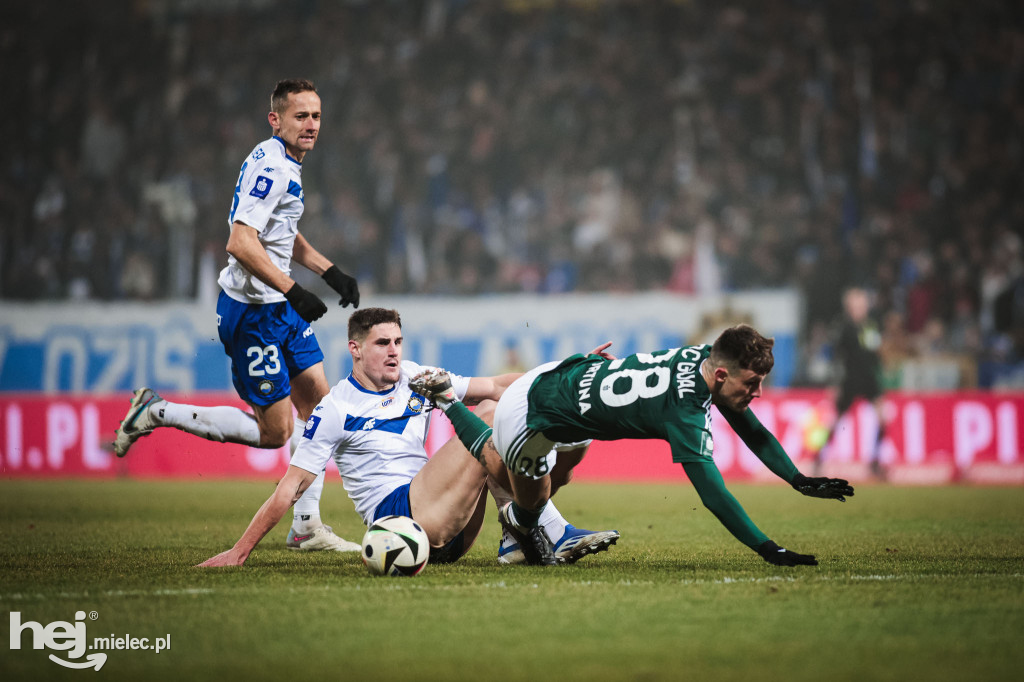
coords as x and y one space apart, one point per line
525 518
471 429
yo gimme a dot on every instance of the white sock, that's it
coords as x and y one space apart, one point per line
293 442
553 522
222 424
304 523
307 508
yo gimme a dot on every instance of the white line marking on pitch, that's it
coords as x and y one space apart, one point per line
404 585
838 578
186 592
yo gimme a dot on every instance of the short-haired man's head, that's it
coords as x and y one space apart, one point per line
290 86
362 321
857 303
743 347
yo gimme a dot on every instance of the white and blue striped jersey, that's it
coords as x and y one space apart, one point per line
268 197
377 439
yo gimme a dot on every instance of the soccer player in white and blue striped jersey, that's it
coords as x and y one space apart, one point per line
263 315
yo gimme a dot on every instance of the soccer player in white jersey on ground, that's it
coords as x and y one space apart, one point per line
375 427
667 395
263 315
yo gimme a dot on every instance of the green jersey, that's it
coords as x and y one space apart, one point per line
648 395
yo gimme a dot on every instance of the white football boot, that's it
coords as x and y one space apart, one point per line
574 544
577 543
138 422
508 550
320 539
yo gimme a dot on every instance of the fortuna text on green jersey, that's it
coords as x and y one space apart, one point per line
647 395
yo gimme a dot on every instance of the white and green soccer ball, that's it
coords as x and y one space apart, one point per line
395 545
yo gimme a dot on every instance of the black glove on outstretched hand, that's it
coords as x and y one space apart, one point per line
307 304
779 556
827 488
345 285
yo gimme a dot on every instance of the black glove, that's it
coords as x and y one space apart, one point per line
344 284
827 488
778 556
307 304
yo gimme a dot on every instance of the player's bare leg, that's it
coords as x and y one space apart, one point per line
444 494
275 422
308 388
531 493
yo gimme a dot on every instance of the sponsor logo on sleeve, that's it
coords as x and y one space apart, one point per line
262 187
311 425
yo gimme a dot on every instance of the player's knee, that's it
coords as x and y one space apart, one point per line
485 411
276 428
273 437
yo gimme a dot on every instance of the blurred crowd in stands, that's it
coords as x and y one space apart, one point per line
473 147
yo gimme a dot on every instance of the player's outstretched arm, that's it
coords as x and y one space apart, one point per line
488 388
708 482
707 479
767 448
288 491
761 442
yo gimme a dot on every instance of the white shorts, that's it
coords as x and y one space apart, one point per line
525 452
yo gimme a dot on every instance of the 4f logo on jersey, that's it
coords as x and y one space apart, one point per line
262 187
311 425
370 423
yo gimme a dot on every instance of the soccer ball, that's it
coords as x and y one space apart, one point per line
395 545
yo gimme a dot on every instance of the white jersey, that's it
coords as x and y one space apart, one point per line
377 439
268 197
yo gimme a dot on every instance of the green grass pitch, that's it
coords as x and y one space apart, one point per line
914 583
